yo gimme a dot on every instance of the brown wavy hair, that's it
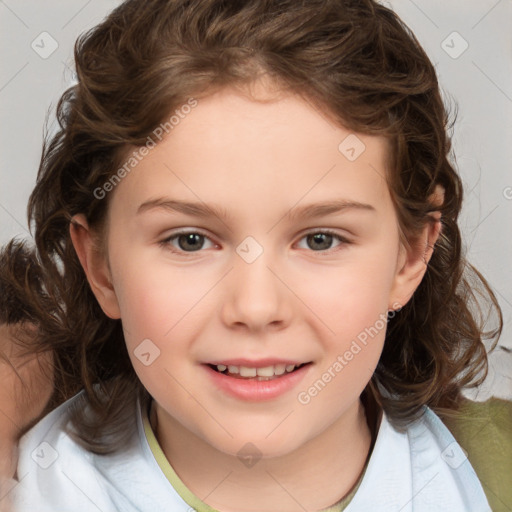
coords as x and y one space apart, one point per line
353 60
24 306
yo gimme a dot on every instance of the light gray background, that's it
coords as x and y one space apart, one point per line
478 79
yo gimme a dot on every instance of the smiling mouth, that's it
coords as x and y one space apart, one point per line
266 373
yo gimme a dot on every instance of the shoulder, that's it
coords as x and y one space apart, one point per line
54 472
48 441
484 431
51 428
418 466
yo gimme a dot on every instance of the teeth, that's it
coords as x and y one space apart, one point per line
279 369
267 371
247 372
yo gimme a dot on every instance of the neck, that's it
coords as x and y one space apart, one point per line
315 476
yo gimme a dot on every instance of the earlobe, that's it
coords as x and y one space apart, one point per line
95 266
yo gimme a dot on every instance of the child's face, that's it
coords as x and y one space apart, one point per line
257 288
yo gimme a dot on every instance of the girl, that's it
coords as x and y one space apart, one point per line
300 356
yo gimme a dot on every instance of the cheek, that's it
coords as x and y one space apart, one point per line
351 296
154 296
162 310
353 304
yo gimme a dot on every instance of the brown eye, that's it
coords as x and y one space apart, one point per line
190 241
321 241
184 242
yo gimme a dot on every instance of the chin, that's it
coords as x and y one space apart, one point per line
248 444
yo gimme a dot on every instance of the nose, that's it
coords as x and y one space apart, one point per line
255 296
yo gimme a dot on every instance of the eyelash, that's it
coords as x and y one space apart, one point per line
166 242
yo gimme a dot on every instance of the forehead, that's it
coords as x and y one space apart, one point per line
281 150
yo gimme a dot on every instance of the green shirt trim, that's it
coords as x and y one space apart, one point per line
191 499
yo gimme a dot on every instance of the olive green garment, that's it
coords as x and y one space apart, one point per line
484 431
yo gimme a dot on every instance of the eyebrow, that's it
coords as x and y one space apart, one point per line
327 208
314 210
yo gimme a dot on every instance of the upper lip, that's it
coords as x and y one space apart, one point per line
260 363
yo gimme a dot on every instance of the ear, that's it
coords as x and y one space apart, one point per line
413 260
95 265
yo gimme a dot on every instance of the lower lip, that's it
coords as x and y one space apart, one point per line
257 390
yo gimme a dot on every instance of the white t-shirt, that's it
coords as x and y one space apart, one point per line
421 470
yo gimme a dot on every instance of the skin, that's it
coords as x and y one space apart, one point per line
296 301
26 388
